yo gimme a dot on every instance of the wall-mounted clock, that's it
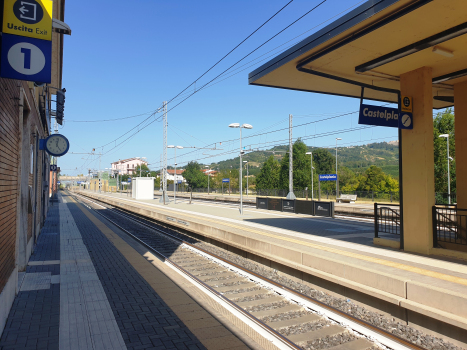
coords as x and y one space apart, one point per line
57 145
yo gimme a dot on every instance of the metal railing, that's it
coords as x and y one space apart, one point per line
387 219
449 226
442 198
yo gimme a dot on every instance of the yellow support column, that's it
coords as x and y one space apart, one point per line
460 110
418 163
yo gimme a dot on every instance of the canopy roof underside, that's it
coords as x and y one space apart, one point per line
374 44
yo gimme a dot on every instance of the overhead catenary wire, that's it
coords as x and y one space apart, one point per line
257 48
191 94
249 36
283 129
205 85
281 142
109 120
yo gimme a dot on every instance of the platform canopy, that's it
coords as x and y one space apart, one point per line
372 46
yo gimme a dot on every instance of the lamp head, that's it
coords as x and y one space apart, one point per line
247 126
234 125
245 161
444 135
338 138
180 147
309 153
171 146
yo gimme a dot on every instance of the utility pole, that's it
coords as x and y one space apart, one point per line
291 195
164 199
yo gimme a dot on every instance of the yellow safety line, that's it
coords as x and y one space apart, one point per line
434 274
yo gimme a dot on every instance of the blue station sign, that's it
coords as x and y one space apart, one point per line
328 177
225 180
380 116
384 116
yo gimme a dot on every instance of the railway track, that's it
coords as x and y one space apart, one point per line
287 318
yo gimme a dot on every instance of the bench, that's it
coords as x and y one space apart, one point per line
349 198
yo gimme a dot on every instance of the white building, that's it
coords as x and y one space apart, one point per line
171 175
128 166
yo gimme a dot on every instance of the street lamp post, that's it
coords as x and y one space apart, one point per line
243 126
207 173
311 154
449 175
175 172
247 175
337 180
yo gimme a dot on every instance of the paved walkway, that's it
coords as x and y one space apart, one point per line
86 288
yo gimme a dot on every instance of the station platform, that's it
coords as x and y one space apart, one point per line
89 286
338 251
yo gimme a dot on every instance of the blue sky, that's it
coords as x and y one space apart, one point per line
125 58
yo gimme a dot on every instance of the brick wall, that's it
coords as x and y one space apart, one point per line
10 169
9 144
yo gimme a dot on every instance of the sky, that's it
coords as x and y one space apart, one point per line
124 58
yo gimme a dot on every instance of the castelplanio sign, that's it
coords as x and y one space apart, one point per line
386 116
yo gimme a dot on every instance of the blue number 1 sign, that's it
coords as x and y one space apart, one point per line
26 58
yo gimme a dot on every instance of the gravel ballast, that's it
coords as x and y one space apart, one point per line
373 317
389 324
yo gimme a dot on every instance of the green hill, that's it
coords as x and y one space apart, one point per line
382 154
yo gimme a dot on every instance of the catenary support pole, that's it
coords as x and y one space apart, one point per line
290 195
165 198
241 174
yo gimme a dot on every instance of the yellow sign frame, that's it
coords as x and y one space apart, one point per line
404 107
17 22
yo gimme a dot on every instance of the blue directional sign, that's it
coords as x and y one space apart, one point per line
129 179
380 116
328 177
25 58
225 180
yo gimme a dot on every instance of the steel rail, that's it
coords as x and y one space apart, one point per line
272 335
390 340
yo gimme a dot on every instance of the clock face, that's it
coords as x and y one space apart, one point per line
57 145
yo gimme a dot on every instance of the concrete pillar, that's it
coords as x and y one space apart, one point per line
460 110
418 163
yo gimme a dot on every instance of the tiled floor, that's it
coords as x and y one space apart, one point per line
80 292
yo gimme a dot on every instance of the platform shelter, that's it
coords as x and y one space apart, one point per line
382 50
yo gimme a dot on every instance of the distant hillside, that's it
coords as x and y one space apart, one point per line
357 158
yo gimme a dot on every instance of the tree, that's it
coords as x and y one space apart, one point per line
144 170
301 168
268 177
348 181
194 176
323 161
374 179
443 123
